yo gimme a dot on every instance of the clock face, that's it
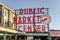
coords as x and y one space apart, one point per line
45 19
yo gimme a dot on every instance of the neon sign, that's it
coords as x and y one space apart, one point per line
32 20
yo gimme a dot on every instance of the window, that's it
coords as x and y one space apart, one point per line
0 19
10 20
6 18
0 15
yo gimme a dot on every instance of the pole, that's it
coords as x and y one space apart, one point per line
4 36
16 37
16 19
48 25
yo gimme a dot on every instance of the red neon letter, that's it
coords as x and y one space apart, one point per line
39 19
30 10
39 28
35 28
19 28
24 20
38 10
24 29
29 19
43 28
29 28
21 11
25 11
34 11
41 10
33 19
20 20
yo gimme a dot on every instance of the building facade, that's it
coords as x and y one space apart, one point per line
7 28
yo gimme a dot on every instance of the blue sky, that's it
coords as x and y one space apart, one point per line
54 10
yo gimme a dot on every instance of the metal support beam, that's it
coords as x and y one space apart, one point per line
48 32
25 37
16 37
16 19
48 25
10 37
4 36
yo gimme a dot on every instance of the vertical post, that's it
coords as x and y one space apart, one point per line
8 18
34 23
48 25
16 37
48 32
10 37
25 37
16 19
4 36
15 26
